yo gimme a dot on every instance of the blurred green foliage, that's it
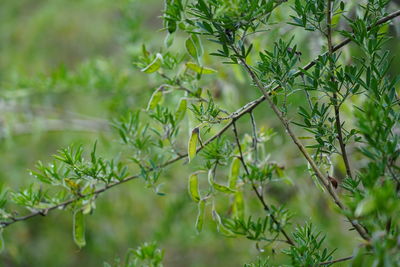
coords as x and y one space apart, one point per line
65 71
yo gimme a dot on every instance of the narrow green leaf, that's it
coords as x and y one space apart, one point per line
365 207
194 187
79 228
279 171
220 226
169 40
238 205
181 110
191 48
192 146
234 173
87 208
216 186
200 215
154 65
199 69
146 53
171 26
222 188
155 99
383 29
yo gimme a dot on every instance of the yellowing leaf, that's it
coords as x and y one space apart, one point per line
223 188
71 184
279 171
199 69
216 186
305 137
192 146
79 228
155 99
154 65
200 215
238 205
181 110
234 174
384 29
194 47
336 18
194 187
87 208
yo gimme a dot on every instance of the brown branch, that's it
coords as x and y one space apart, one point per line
324 180
311 64
242 111
235 115
259 195
266 96
335 261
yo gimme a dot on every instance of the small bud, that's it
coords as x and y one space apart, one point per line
333 181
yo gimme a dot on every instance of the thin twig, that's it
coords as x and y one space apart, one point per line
255 103
259 195
324 180
235 115
336 261
13 220
335 98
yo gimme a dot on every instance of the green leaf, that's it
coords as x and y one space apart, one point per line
220 226
192 146
200 215
279 171
181 110
197 43
171 26
155 99
222 188
383 29
238 205
216 186
194 47
79 228
154 65
194 187
87 208
199 69
169 40
234 173
365 207
336 18
191 48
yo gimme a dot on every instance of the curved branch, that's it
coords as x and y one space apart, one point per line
235 115
336 261
259 195
335 97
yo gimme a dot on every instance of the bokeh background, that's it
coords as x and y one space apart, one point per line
65 72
